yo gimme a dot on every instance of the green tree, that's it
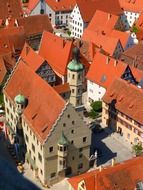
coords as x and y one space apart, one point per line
135 29
69 33
138 149
96 109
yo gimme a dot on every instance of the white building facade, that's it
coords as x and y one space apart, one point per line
76 23
128 18
95 92
56 17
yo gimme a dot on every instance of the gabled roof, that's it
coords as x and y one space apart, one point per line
15 35
104 70
134 56
31 58
132 101
60 5
62 88
107 43
131 5
40 115
3 70
88 8
35 24
11 8
124 175
122 36
103 21
56 51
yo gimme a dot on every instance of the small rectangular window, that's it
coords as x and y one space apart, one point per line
51 149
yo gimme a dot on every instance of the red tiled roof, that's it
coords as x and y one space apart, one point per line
124 176
122 36
139 25
103 21
11 8
107 43
131 94
3 69
15 36
131 5
134 56
35 24
102 73
56 51
62 88
31 58
88 8
62 5
40 115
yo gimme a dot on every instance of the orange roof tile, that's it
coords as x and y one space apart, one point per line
11 8
103 21
131 94
122 36
107 43
62 5
3 70
52 45
88 8
40 115
102 73
31 58
124 175
62 88
131 5
35 24
15 35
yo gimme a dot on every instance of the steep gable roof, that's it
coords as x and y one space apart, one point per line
35 24
131 5
132 101
88 8
104 70
11 8
124 175
40 115
107 43
56 51
61 5
103 21
31 58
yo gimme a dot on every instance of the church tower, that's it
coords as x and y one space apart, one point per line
75 78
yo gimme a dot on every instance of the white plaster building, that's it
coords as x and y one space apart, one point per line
77 24
131 12
58 11
101 74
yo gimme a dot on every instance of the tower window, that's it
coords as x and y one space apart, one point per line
73 76
73 122
64 124
68 116
51 149
72 90
84 139
79 76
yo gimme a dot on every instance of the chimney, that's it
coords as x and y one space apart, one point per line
107 60
109 16
113 162
27 50
115 62
100 168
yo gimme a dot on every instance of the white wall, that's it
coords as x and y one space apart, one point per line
76 23
129 18
94 91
